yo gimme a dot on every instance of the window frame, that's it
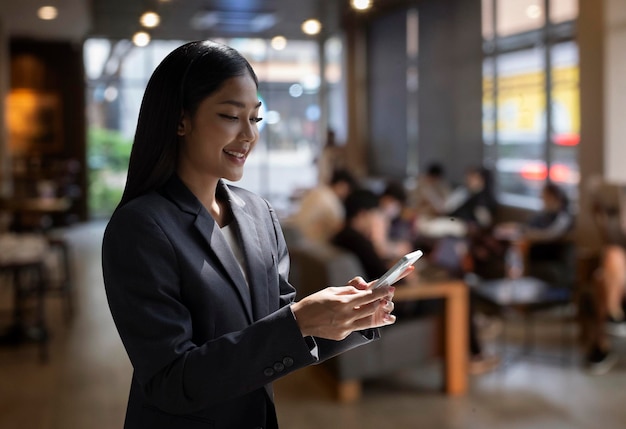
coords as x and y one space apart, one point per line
545 37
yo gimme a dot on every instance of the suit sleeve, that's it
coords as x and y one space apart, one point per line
142 279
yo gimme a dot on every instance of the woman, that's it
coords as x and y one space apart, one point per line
196 271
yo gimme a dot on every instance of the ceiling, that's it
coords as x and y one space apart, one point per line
180 19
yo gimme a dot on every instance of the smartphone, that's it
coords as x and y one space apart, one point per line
392 275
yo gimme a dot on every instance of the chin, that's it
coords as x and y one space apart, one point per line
233 177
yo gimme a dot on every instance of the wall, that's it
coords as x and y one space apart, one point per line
449 94
450 84
387 71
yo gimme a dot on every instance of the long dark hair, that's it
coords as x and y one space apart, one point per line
184 78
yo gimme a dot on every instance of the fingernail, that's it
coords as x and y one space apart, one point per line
389 318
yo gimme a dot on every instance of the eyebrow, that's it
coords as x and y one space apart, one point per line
239 104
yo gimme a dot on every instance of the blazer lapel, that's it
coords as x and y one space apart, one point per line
225 257
220 251
253 250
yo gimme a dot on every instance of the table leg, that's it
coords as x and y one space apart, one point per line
456 339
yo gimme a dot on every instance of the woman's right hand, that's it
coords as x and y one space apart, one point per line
335 312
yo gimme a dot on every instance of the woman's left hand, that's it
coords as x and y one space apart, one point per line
383 313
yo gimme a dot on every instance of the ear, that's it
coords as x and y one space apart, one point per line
182 126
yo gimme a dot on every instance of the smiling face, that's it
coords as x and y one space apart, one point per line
215 141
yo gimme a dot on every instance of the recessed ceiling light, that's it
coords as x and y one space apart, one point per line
533 11
361 4
47 12
311 27
141 39
279 43
150 19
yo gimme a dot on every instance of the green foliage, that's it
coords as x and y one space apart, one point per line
108 149
108 155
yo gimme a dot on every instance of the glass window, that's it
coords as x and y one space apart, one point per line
283 161
489 106
565 117
526 143
521 101
563 10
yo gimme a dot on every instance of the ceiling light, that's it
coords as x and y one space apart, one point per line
311 27
150 19
361 4
278 43
47 12
533 11
141 39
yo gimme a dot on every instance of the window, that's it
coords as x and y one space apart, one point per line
530 63
289 81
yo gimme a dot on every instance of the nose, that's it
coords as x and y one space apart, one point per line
249 132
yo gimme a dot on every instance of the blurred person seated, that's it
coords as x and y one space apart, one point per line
393 235
543 239
462 236
331 158
362 223
320 214
362 208
609 285
431 192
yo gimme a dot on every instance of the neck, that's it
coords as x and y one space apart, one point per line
205 190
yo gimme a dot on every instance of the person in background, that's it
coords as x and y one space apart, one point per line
609 284
363 224
331 158
462 237
475 202
431 192
320 213
195 270
393 236
363 221
542 239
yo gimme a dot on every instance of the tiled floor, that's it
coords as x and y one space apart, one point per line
85 383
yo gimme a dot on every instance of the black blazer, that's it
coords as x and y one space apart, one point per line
204 344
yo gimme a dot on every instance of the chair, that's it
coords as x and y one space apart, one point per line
22 262
606 206
58 264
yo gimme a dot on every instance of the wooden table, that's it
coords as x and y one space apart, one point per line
456 346
38 207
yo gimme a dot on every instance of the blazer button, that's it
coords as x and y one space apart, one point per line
288 362
279 367
268 372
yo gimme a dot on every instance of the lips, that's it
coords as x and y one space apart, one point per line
236 154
